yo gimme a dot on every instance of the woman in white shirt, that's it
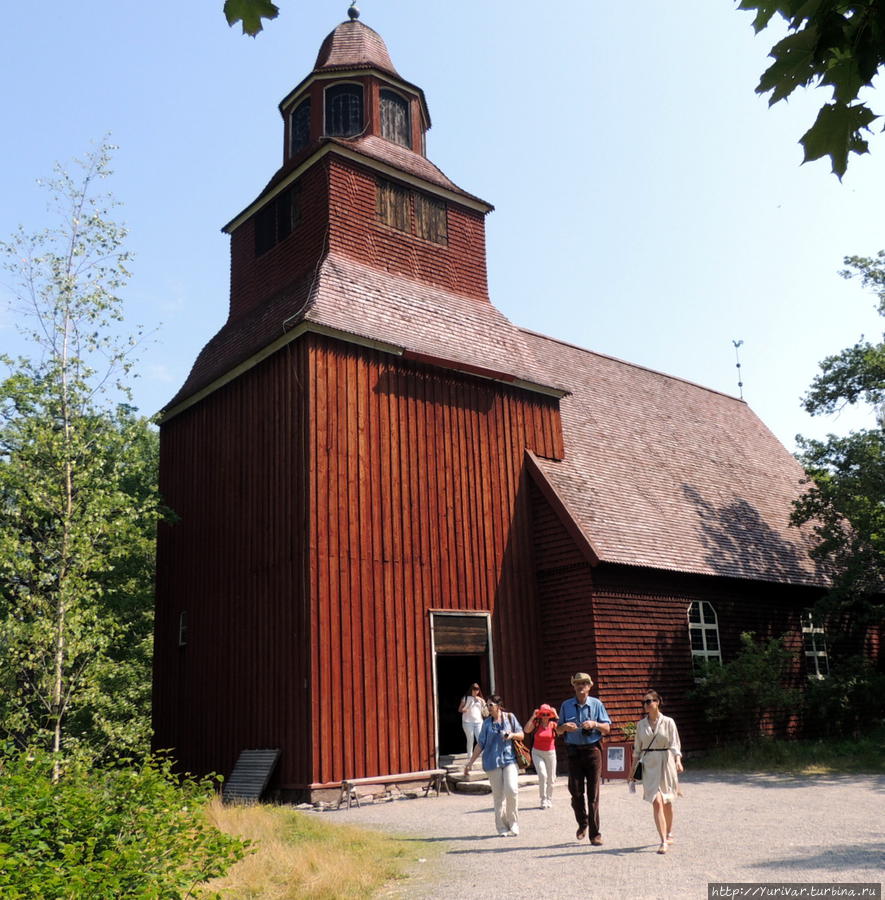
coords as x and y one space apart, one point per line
472 709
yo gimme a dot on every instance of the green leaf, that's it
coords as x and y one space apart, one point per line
793 66
836 133
765 9
250 13
843 75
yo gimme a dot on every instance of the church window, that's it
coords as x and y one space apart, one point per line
276 220
344 110
395 125
299 127
703 630
394 206
817 662
430 219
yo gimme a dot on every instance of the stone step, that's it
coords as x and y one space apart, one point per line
472 787
477 783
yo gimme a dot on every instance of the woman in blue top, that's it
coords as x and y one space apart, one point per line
495 742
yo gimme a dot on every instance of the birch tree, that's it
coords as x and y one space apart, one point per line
78 502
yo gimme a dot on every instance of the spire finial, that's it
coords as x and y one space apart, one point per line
737 357
353 11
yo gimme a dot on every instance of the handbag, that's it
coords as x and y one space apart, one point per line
636 774
523 756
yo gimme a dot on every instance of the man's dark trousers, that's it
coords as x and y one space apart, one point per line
584 773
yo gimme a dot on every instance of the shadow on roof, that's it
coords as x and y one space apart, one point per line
739 542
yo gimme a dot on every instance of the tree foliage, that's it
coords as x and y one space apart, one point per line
738 696
78 501
836 44
130 831
845 503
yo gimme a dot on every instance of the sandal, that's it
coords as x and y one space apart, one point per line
662 848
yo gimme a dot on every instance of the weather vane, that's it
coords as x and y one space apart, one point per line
737 357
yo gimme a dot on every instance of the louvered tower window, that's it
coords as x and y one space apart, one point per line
394 206
344 110
395 125
299 127
430 219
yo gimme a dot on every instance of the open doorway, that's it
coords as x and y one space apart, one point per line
462 655
454 674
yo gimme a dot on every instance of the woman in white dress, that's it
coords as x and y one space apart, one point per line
657 747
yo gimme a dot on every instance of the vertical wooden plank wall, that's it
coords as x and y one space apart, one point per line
233 471
565 589
417 502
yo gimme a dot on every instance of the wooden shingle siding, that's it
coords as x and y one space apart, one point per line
234 561
565 597
642 635
256 278
417 503
356 230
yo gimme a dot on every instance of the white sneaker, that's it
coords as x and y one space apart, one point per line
514 831
503 834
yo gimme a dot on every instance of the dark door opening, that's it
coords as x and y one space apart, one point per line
454 674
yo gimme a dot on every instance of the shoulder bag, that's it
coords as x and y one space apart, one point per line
636 774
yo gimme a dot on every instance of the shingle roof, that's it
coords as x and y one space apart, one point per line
422 318
666 474
419 318
353 45
404 159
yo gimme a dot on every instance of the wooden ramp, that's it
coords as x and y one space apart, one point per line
250 776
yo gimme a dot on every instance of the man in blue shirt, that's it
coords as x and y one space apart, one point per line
583 720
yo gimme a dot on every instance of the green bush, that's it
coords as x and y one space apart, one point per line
127 831
737 696
850 701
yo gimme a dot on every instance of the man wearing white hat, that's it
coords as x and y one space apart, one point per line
583 720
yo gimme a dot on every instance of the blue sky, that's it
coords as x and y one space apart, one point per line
648 204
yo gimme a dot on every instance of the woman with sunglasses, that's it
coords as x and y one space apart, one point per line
495 743
543 725
657 747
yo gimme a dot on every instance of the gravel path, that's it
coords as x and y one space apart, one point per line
737 828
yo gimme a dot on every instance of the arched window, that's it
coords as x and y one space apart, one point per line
703 629
817 662
299 127
395 125
344 110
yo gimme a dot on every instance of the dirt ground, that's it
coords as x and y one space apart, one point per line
728 828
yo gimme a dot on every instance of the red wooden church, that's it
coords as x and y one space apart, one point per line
386 490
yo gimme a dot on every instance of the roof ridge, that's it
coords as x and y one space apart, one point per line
632 365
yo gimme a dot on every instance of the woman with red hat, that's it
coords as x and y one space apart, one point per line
543 724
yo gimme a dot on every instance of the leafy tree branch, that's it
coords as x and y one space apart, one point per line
845 502
839 45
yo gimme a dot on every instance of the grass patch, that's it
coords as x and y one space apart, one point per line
297 855
806 757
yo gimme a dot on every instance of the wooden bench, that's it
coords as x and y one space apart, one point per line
436 781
